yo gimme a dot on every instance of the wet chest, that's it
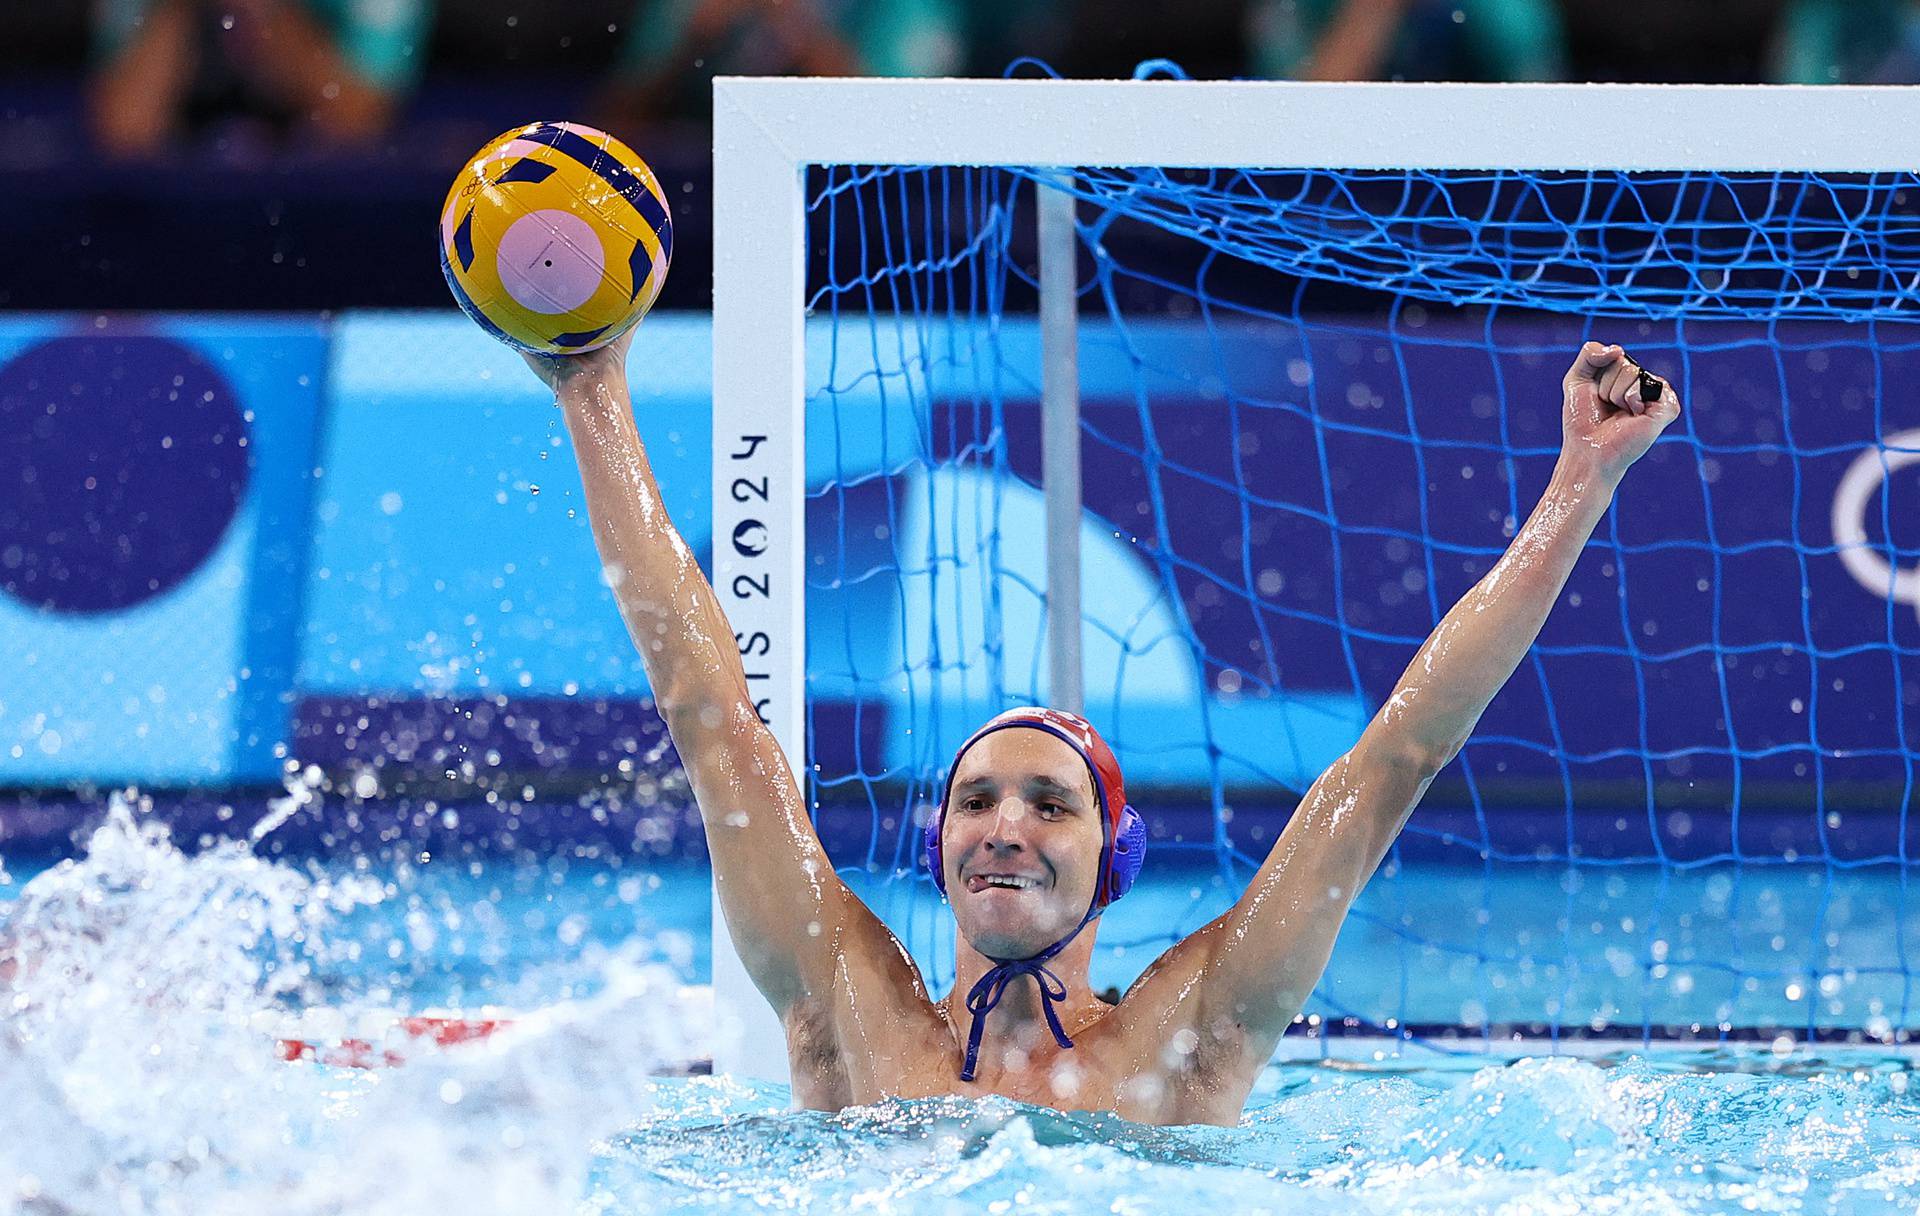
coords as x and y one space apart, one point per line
1093 1075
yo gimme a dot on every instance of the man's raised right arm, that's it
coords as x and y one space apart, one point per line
785 907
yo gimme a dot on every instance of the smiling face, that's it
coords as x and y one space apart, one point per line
1021 842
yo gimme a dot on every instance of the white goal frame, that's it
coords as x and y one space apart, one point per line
767 132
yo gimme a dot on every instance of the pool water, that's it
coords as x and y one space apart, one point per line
1538 1135
136 1054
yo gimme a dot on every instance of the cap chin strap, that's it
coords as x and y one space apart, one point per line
988 990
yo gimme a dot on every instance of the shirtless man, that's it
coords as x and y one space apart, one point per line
1034 837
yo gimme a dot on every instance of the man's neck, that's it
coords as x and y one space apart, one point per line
1019 1022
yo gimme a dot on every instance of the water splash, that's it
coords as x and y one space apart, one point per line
136 1055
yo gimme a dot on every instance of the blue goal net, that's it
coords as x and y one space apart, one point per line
1316 405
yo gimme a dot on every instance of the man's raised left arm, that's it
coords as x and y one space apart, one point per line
1259 960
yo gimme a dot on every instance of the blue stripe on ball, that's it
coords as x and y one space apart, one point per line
611 171
526 169
580 339
463 242
662 224
467 305
639 266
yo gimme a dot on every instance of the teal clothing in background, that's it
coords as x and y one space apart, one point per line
1437 40
907 37
887 38
1841 41
995 33
382 40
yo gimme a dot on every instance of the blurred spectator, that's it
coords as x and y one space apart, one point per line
326 70
1901 63
996 33
1408 40
1848 42
677 47
906 37
1668 41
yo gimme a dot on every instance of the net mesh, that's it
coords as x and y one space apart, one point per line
1316 404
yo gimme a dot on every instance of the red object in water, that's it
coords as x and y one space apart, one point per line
361 1053
448 1031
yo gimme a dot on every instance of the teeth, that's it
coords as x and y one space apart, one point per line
1007 880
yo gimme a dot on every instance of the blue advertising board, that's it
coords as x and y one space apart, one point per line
152 539
228 539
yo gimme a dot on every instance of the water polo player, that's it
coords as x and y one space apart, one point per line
1034 837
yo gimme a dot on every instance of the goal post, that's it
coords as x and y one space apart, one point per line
769 132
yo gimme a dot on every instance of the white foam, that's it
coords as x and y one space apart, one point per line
141 1077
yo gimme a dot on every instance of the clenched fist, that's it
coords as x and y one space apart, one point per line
1615 409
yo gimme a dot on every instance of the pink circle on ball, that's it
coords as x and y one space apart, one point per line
550 261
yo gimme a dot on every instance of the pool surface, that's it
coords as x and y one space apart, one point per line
138 1057
1538 1135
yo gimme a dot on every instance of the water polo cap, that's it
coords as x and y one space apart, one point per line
1123 850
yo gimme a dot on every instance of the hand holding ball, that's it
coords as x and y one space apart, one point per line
555 238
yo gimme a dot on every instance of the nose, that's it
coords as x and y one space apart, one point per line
1005 828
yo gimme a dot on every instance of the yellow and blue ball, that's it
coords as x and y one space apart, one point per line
555 238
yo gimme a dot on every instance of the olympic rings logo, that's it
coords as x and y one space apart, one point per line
1866 474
